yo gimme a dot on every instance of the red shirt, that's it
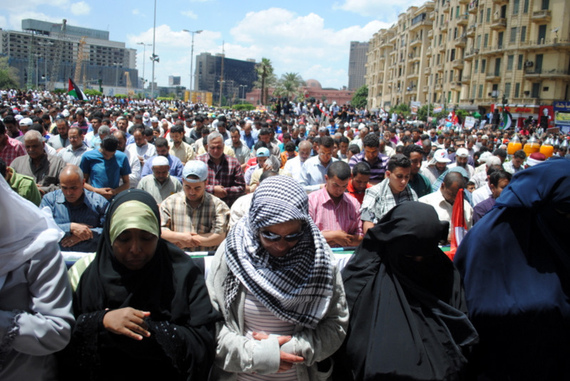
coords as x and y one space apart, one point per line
358 196
12 150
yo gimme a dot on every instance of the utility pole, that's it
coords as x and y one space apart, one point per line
222 74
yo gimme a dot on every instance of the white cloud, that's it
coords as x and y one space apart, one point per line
385 10
135 12
189 14
80 9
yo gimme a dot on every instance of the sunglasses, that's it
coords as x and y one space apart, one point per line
276 237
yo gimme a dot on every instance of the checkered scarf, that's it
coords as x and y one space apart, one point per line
384 200
297 287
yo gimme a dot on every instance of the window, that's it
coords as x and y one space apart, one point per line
483 65
488 20
486 40
523 33
481 17
476 66
507 89
510 62
516 6
525 6
457 12
473 91
480 91
513 38
451 76
520 62
479 42
517 89
545 5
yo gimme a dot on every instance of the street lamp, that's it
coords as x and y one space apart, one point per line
144 55
244 87
116 64
192 55
154 57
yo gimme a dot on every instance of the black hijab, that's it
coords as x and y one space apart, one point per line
170 287
407 309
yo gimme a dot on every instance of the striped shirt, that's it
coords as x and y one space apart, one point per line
327 216
211 216
257 318
377 169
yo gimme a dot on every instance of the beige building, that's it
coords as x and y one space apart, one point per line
473 54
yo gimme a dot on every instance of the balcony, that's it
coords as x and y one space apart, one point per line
415 42
501 2
541 16
432 15
458 64
423 23
430 34
471 30
463 20
463 1
426 89
445 7
414 74
472 8
440 68
427 70
540 74
460 42
428 52
499 23
493 77
441 48
466 78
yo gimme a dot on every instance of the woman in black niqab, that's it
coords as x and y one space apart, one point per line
407 310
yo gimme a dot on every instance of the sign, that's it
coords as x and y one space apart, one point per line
469 122
414 106
563 106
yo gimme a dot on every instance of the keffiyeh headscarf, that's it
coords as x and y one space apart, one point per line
297 287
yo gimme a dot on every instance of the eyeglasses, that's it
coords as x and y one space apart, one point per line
276 237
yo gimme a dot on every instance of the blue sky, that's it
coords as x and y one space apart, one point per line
311 38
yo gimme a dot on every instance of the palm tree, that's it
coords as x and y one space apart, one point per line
265 77
290 86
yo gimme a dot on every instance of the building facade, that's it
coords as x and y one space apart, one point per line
233 77
357 65
474 54
47 54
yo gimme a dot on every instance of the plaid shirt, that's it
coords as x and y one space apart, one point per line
227 174
211 216
12 150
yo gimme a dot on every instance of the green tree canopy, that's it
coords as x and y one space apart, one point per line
8 75
289 86
360 97
265 78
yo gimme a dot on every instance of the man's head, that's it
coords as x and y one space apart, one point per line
25 124
162 147
360 176
122 139
139 137
261 155
371 145
415 153
337 178
177 133
501 154
498 180
75 136
122 123
518 158
215 145
194 178
109 146
325 149
96 123
235 136
461 157
160 169
451 184
71 183
222 127
440 159
304 150
62 127
265 135
34 143
398 173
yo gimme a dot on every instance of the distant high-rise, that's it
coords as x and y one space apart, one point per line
238 76
357 65
173 80
46 53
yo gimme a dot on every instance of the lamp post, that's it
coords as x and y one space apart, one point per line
144 55
192 56
243 87
116 64
154 57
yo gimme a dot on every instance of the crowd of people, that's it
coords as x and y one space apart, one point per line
135 186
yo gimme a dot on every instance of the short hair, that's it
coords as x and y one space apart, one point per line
2 167
215 135
493 168
453 177
354 149
339 169
110 143
371 140
501 153
290 146
267 174
498 175
520 154
343 139
2 128
75 128
362 168
33 135
221 123
234 130
72 169
412 148
177 128
326 141
398 160
161 142
9 119
199 118
122 133
104 130
38 128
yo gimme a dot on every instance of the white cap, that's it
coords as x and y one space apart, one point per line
441 156
462 152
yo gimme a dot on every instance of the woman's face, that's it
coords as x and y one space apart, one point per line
134 248
281 247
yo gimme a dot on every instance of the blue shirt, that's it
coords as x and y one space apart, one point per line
313 173
90 212
176 167
105 173
250 139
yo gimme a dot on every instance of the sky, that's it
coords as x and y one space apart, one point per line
311 38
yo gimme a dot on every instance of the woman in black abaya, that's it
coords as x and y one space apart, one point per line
407 310
142 307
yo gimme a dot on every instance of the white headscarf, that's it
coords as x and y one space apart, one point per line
24 230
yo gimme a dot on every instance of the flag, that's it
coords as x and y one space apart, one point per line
458 225
75 91
507 119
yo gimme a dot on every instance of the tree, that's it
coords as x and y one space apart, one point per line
8 75
289 86
360 97
265 77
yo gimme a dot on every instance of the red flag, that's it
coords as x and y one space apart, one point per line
458 225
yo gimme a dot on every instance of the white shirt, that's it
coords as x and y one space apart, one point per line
481 194
294 167
444 209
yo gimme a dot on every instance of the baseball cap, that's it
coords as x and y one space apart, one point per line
195 168
154 119
461 171
26 122
160 161
441 156
262 152
484 156
462 152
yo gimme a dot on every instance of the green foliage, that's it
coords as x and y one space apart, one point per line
243 106
121 96
265 77
289 86
60 91
8 75
92 92
165 98
402 108
461 114
360 97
